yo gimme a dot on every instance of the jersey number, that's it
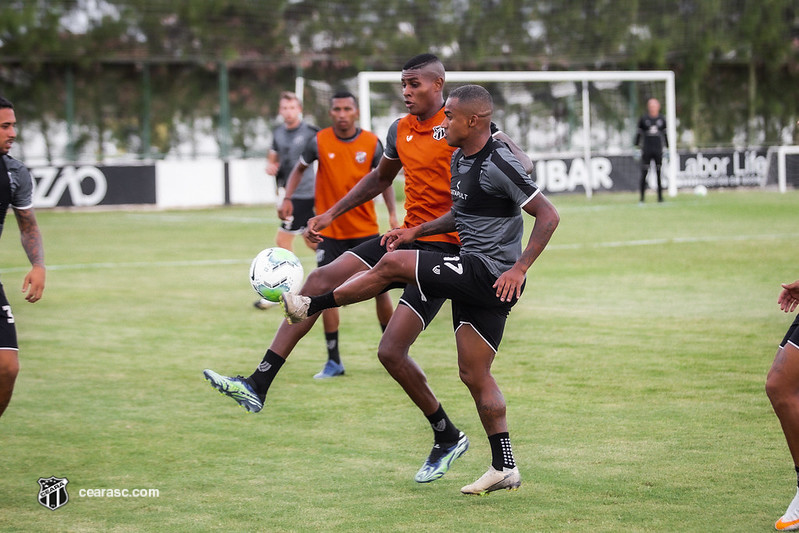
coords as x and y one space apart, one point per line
455 267
9 316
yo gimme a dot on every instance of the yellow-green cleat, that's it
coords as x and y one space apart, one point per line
237 388
440 459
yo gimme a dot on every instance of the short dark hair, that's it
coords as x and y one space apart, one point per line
5 103
475 95
420 61
344 94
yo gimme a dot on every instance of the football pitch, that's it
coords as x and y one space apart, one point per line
633 369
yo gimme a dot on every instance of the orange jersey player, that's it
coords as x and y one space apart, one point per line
345 154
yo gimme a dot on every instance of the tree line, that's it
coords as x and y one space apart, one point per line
143 75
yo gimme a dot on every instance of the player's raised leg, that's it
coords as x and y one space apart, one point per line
399 266
288 335
782 388
475 357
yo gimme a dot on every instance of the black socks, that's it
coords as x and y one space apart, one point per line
443 429
331 339
265 373
321 302
501 453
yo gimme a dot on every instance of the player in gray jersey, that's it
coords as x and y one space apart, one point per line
289 140
16 191
490 189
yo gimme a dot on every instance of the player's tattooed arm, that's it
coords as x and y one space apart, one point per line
31 239
30 236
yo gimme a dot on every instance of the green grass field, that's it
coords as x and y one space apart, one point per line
633 369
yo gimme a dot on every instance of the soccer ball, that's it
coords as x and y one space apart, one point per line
275 271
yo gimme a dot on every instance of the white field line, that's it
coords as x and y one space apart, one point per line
136 264
671 240
575 246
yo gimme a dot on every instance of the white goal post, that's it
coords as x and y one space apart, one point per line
365 79
782 172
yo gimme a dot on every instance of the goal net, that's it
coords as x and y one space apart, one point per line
576 113
783 167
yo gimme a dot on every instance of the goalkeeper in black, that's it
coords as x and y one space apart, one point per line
651 136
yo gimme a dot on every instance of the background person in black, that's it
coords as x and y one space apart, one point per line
16 191
651 136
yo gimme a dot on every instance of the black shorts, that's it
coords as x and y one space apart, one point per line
793 334
330 249
8 330
466 281
372 251
648 156
303 211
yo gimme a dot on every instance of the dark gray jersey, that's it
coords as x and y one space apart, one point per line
487 202
652 133
289 144
21 184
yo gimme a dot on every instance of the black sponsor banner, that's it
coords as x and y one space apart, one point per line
727 168
723 168
606 173
88 185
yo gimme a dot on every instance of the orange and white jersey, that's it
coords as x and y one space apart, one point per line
422 149
342 164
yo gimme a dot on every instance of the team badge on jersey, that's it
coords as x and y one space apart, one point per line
53 492
360 157
439 132
331 155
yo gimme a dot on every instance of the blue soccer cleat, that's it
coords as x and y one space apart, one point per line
330 370
440 459
237 388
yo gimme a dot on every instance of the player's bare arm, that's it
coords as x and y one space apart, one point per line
286 208
374 183
546 220
390 198
395 238
31 239
523 158
789 296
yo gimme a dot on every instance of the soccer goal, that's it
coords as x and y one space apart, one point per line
564 112
787 168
